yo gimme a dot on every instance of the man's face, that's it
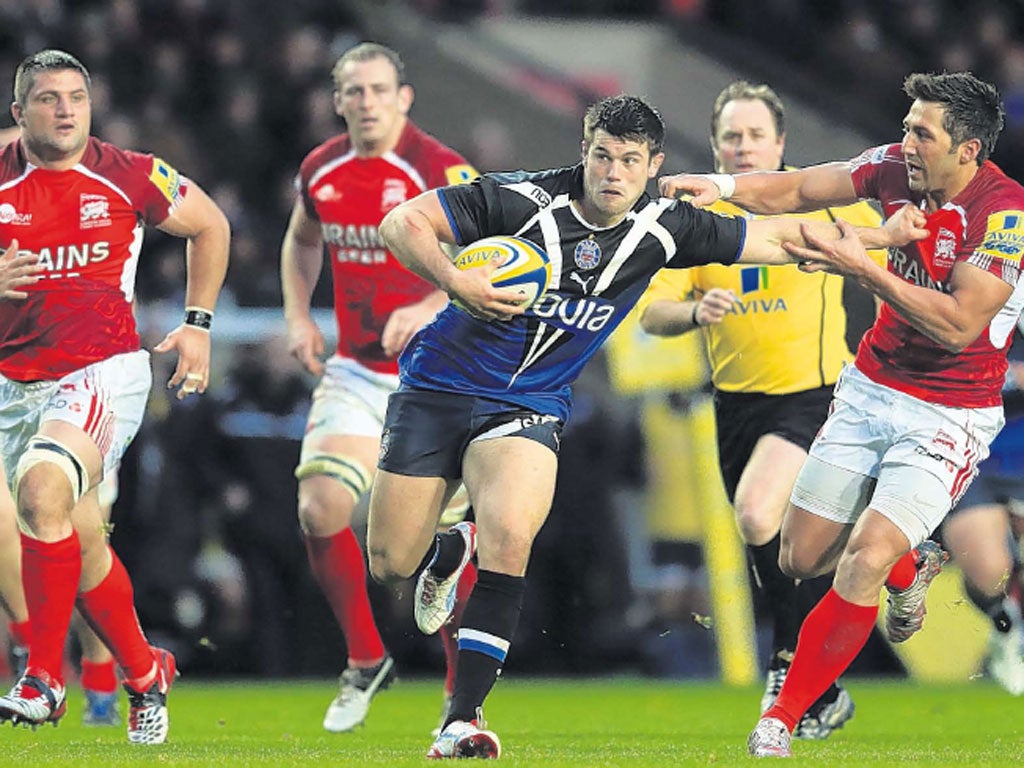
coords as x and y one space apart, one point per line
373 104
746 138
615 174
932 161
57 114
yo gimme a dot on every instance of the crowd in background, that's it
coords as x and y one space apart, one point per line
235 100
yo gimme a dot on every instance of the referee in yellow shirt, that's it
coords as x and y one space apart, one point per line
776 341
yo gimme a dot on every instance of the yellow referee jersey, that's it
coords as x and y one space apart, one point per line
786 331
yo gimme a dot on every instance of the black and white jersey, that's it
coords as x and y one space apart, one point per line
597 275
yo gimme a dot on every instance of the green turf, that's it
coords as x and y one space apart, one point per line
613 724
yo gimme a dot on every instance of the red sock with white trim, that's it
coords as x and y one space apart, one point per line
831 637
337 563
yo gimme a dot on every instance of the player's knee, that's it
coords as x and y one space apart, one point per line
48 481
385 569
44 466
329 488
797 563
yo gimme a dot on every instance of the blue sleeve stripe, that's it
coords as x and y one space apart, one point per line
451 217
743 241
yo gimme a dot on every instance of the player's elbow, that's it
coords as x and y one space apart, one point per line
393 225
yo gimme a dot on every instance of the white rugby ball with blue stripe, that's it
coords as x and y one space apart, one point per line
522 265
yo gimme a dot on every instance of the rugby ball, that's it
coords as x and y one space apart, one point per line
521 264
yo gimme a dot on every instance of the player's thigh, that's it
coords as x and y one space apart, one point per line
765 486
96 412
934 458
511 481
404 511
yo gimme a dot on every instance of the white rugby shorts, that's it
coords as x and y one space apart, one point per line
905 458
106 400
349 400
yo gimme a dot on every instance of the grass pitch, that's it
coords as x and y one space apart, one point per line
623 723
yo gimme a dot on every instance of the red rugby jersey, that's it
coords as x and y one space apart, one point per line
349 196
86 224
984 226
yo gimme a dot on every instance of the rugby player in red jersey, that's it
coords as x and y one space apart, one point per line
914 415
73 378
345 186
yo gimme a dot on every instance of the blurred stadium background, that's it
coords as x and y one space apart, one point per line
639 568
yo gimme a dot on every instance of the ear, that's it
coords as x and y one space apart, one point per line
406 96
969 151
715 154
17 114
655 166
583 150
337 102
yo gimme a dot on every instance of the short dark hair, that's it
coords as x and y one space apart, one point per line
367 52
741 90
45 61
626 117
972 107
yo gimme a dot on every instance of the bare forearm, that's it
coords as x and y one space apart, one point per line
937 315
669 318
809 189
207 263
301 263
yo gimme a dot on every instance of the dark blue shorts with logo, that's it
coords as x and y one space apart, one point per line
426 433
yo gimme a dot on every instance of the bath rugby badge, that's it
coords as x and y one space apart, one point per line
587 254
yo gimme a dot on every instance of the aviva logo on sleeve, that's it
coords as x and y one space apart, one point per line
753 279
1004 236
460 174
167 180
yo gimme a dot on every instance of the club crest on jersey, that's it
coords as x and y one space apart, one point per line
394 193
945 248
93 211
587 254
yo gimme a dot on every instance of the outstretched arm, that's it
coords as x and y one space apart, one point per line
768 239
807 189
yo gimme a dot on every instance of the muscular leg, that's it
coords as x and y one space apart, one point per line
51 555
762 496
511 481
837 628
326 503
977 538
98 670
12 596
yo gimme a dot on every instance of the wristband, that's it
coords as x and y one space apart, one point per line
198 317
693 317
725 182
